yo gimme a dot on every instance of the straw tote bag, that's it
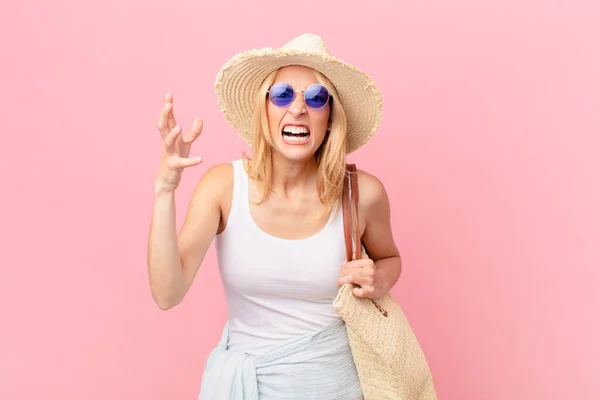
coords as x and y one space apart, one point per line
389 360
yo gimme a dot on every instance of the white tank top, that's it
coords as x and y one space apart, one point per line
276 289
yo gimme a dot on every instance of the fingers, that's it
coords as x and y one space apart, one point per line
368 280
174 161
359 272
163 124
171 138
365 285
171 115
181 163
363 279
177 146
359 292
194 132
166 122
166 119
360 263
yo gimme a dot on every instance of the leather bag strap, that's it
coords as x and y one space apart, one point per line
350 213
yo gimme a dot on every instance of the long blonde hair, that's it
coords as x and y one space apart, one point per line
330 157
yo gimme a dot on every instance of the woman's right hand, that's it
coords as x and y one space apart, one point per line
177 147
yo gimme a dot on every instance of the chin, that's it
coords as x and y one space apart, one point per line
295 154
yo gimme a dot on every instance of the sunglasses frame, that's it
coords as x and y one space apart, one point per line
303 97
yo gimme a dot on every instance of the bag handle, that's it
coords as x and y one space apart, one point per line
350 213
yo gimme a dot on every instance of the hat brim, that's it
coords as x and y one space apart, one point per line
240 78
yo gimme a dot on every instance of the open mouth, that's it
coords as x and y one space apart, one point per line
295 134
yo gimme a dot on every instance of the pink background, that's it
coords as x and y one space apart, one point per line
488 147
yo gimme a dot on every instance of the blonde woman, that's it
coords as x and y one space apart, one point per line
276 223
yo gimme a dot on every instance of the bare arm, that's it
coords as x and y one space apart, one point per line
377 237
380 269
174 259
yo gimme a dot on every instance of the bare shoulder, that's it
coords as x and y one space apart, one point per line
212 191
218 173
216 181
374 205
372 192
209 204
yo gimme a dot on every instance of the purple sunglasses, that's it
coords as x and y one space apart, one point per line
282 94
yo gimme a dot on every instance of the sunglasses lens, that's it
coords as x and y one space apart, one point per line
281 94
316 96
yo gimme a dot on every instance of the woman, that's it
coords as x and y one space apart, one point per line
275 222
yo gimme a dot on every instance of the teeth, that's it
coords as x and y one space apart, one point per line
296 130
295 138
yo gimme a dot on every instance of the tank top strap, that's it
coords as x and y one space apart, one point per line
240 178
239 201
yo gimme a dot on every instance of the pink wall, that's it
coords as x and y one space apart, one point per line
490 134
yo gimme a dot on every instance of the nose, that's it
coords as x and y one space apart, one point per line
298 106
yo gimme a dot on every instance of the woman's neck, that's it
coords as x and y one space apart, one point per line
292 177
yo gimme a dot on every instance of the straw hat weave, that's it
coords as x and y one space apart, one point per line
240 78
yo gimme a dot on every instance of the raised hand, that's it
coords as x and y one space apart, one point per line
177 147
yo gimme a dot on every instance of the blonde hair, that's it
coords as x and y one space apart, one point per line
330 157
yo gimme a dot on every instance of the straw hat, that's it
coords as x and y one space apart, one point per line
241 77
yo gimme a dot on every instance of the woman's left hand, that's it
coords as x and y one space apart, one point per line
363 272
